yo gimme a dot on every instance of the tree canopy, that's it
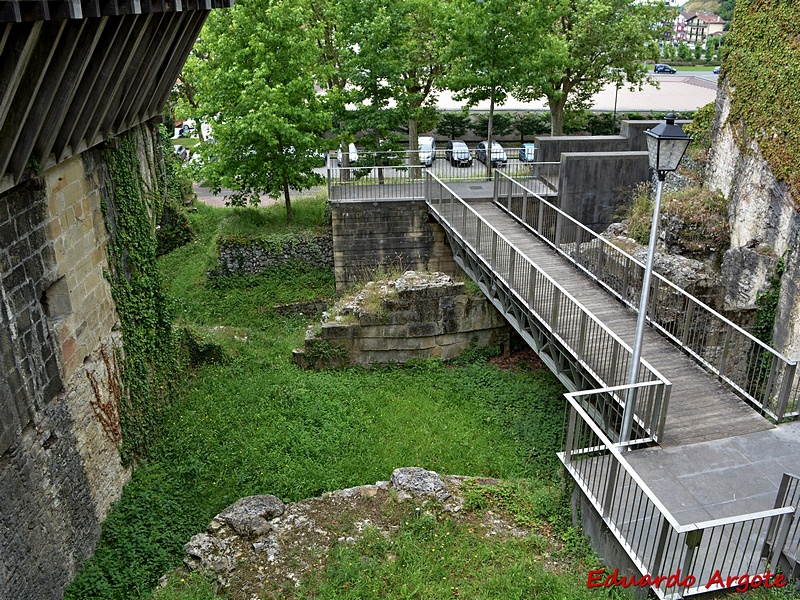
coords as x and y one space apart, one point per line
590 43
252 73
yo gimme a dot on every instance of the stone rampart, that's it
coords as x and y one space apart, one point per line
60 380
397 233
254 256
420 315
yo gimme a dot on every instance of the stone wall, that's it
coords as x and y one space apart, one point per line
253 256
60 382
395 233
765 225
420 315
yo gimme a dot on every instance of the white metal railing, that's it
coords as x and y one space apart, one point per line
395 168
656 542
600 352
760 374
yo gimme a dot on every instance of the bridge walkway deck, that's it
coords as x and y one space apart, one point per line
700 409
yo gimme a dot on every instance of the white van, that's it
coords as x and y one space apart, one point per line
352 151
427 150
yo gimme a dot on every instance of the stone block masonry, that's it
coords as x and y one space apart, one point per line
60 380
395 233
419 315
254 256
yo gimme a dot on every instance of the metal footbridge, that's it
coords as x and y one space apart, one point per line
573 297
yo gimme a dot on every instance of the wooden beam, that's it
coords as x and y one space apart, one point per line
131 58
43 104
25 97
79 141
21 46
171 67
162 32
171 26
111 31
4 37
66 9
67 87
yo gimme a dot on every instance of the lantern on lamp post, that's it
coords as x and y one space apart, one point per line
666 145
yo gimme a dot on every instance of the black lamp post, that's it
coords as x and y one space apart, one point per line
666 145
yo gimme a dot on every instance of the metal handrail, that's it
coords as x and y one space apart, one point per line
648 532
770 378
523 264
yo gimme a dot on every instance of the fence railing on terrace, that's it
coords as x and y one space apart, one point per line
789 495
395 168
657 544
594 346
760 374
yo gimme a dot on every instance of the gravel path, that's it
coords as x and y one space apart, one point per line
205 196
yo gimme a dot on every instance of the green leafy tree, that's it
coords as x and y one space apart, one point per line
396 52
453 124
502 124
485 54
698 51
684 52
253 79
591 42
531 123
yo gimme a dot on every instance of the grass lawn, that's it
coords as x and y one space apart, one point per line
256 424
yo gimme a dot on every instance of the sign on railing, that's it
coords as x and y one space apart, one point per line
674 560
755 371
600 352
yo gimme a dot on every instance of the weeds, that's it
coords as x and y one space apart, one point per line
703 215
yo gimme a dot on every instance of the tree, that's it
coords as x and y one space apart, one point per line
589 43
531 123
492 43
253 80
501 125
684 52
453 124
397 53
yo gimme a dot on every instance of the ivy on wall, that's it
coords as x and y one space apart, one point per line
149 358
762 64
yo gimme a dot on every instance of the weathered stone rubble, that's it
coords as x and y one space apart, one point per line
259 539
691 275
419 315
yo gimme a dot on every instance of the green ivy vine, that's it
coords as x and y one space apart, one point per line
131 212
762 64
767 304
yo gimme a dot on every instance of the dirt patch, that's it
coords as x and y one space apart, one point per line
266 556
525 357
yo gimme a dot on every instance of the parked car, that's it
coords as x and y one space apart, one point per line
427 150
351 149
458 154
527 153
182 152
664 69
716 70
499 158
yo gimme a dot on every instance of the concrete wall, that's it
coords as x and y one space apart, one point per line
398 233
593 186
550 148
60 356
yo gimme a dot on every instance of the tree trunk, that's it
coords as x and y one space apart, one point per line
287 199
413 149
379 158
557 115
489 137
